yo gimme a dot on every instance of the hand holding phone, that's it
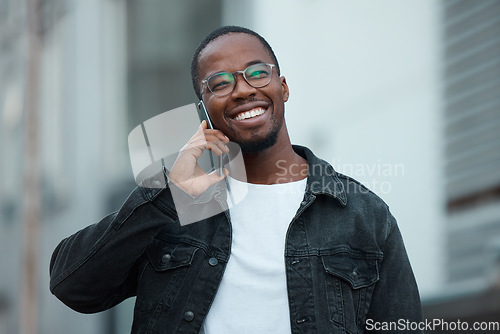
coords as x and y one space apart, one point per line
186 173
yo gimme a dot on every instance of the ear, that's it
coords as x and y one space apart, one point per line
284 89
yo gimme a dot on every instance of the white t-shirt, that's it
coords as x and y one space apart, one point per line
252 297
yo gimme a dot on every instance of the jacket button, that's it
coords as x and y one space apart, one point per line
189 316
213 261
165 258
355 274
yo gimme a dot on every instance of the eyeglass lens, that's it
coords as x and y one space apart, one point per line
223 83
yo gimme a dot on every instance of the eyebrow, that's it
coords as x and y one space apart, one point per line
253 62
250 63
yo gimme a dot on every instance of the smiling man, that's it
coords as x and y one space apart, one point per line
308 250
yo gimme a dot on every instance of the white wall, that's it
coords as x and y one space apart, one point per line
365 95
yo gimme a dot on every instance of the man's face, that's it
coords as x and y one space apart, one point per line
235 52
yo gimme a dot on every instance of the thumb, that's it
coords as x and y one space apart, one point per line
203 126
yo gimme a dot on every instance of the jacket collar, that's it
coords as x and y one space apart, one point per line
322 179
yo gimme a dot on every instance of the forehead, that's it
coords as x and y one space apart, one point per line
231 52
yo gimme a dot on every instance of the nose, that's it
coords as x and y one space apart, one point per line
241 89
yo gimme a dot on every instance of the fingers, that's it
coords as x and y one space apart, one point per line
215 134
213 144
214 177
216 140
203 128
207 139
217 146
210 139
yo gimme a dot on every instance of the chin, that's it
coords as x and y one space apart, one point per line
254 146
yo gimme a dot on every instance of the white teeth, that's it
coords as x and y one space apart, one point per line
250 114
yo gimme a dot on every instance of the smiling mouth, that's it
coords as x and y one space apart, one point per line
250 114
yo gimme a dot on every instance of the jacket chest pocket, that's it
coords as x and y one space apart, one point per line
170 255
164 279
349 284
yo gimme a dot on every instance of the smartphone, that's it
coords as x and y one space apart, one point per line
203 115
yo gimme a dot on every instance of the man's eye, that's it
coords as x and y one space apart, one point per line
220 81
220 85
258 74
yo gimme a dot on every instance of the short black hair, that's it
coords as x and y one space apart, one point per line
222 31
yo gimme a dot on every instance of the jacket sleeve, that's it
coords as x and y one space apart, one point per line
395 299
97 267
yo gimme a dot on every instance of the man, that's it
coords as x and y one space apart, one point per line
306 251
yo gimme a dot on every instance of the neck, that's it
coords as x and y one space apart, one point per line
276 164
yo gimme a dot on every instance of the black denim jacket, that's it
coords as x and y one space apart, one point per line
344 256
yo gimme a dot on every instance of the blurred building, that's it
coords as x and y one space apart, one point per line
105 67
471 56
